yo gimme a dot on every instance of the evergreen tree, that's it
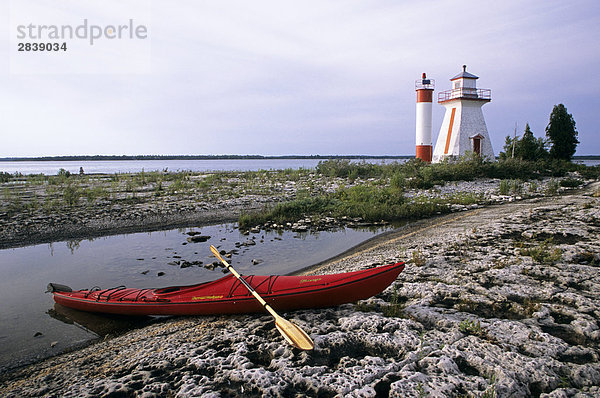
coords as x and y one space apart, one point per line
531 148
527 147
509 143
562 133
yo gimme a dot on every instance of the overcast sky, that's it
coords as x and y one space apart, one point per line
294 77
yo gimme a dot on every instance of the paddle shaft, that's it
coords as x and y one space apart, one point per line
250 288
292 333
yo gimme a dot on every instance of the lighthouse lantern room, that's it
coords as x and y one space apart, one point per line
463 129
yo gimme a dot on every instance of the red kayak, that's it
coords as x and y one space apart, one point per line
228 296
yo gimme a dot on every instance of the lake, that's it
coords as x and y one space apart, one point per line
200 165
135 166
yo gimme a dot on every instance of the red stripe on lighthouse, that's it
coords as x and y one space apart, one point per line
424 95
424 152
449 131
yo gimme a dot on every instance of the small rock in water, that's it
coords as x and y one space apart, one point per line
53 344
256 261
193 233
38 334
198 238
140 259
145 272
160 273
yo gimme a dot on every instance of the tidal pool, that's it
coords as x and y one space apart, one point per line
31 328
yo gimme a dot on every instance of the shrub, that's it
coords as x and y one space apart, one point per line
545 253
71 195
4 176
504 187
398 181
516 187
533 187
469 326
417 258
551 188
590 173
570 182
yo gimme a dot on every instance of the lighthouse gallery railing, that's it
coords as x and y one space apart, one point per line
467 93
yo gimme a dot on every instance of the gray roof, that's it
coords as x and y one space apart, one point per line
465 74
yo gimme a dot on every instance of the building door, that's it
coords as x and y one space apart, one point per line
477 145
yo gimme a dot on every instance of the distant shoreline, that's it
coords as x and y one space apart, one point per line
194 157
80 158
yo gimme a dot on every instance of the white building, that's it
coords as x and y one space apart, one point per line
463 129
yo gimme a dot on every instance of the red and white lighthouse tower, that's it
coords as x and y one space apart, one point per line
424 88
463 129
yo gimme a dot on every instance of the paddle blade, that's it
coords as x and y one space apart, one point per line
216 253
293 334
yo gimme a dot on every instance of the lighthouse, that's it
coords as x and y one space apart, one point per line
424 88
463 129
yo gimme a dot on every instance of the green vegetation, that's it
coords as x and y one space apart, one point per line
396 306
417 258
469 326
552 187
562 134
71 195
571 182
490 392
525 148
511 186
335 188
368 202
561 138
379 190
417 174
544 253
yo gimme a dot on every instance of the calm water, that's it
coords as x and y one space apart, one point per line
133 166
133 260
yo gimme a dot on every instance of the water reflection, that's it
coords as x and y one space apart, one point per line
101 325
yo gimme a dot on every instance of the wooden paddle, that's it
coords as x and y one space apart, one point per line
292 333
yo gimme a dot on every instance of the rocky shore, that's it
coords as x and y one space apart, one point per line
495 301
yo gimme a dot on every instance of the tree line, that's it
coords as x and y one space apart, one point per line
560 142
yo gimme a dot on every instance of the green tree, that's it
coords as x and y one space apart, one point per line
509 143
562 133
527 147
531 148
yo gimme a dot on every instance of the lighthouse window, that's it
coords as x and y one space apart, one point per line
456 85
